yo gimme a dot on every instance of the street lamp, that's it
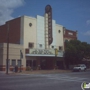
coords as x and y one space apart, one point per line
21 56
7 48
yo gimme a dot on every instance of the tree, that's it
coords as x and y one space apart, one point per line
75 51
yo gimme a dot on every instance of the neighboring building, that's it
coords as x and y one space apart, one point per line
69 35
40 39
14 56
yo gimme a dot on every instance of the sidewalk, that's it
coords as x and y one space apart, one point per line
38 72
41 72
4 72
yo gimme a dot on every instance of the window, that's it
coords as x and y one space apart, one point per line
60 48
59 31
19 63
64 31
31 45
66 40
40 45
52 46
13 62
30 24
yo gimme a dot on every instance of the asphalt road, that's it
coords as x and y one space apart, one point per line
60 81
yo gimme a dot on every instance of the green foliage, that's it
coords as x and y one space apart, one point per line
75 51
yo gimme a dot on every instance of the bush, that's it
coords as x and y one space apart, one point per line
28 68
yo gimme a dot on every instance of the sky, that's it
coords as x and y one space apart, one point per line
72 14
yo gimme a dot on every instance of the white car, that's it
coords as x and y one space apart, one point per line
80 67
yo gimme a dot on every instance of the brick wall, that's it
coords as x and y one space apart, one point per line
14 31
67 35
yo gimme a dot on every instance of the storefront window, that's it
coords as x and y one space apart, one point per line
19 63
13 62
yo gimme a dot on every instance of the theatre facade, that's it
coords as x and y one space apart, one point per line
40 42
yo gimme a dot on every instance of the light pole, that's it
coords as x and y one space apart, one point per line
21 56
7 48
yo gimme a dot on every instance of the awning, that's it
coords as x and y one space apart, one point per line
42 55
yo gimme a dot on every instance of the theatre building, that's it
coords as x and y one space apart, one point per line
40 41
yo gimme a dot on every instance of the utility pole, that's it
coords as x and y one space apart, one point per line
21 56
7 48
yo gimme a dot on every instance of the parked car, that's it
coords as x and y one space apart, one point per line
80 67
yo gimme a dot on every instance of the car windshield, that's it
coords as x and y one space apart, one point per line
77 65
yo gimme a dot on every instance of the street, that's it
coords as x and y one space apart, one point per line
60 81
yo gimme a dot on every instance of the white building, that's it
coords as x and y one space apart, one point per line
41 38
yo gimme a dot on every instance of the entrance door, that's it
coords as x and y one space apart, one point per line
43 64
60 64
31 63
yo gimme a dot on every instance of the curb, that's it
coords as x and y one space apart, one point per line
41 72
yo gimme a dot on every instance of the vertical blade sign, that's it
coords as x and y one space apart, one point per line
48 10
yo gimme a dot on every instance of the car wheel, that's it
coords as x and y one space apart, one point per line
85 69
79 70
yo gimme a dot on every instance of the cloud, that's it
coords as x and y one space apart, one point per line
7 8
88 22
87 33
